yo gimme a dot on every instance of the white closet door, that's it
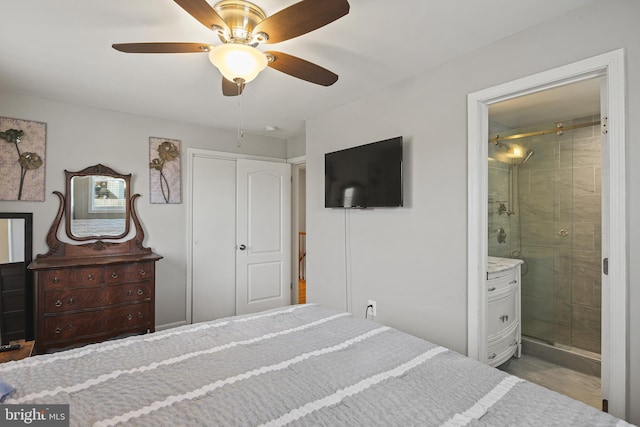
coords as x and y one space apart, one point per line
214 238
263 235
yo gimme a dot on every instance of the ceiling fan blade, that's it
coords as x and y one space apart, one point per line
302 69
230 88
162 47
203 12
301 18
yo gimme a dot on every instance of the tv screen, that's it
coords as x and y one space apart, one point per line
367 176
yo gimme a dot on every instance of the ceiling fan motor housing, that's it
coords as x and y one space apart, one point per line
241 17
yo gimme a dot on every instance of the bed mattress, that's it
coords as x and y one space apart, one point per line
298 365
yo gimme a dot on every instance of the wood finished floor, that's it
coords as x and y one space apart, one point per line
577 385
302 291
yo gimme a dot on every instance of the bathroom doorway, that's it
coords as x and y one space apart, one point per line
544 208
545 197
609 67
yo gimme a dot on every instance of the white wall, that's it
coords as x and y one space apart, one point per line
296 146
412 260
79 136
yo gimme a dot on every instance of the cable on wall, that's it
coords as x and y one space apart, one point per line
347 262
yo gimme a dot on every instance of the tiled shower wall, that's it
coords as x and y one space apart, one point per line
499 194
558 189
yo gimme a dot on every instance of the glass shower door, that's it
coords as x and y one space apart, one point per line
531 200
546 216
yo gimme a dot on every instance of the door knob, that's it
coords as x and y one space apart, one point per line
242 247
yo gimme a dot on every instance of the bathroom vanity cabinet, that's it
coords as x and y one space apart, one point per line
503 331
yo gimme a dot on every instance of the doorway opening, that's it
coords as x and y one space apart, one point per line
610 68
544 208
299 231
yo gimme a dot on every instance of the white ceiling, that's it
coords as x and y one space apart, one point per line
571 101
61 50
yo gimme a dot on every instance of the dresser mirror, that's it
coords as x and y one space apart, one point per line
16 285
98 204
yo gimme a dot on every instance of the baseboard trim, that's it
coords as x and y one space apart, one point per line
171 325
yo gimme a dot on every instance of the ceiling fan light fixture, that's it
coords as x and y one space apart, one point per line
238 61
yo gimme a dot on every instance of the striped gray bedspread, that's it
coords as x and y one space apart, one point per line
300 365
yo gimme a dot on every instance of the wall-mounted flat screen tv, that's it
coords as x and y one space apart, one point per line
367 176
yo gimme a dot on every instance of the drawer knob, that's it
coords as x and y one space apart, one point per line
140 315
56 280
71 301
129 316
58 303
58 329
504 318
493 356
129 292
142 272
90 277
114 275
491 289
140 292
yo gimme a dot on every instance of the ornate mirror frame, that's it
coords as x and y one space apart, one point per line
97 170
98 247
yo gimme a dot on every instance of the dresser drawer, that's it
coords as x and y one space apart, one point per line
123 273
76 299
78 325
71 277
501 315
128 316
502 349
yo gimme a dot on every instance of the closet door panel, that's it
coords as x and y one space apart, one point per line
263 235
214 237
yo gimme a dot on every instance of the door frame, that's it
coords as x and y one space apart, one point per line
193 153
611 65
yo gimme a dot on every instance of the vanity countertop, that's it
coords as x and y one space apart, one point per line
497 264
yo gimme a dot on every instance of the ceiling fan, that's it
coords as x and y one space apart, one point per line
241 26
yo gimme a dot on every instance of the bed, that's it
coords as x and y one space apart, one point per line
297 365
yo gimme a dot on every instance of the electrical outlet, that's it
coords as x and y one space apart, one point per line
374 306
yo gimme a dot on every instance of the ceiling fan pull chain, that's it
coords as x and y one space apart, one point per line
240 125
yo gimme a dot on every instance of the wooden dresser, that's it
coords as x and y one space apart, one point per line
94 291
92 299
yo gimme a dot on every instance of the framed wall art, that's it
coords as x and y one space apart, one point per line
164 171
22 159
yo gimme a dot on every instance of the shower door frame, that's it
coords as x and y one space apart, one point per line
615 285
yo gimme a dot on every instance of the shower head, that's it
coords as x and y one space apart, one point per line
527 157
